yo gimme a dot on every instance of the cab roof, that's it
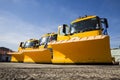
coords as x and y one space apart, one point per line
83 18
32 40
48 34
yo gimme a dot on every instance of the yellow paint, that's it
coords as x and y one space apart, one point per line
83 51
80 35
87 34
61 37
17 57
37 56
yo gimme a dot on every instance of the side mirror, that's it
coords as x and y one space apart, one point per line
64 28
106 22
21 44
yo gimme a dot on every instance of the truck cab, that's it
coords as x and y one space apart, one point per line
83 27
47 38
29 44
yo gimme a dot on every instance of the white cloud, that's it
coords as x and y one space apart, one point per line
14 30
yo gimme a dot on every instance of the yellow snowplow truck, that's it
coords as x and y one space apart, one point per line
86 41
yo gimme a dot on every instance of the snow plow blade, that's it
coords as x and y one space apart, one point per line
16 56
34 56
93 50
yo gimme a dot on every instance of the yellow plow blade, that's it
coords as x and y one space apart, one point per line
93 49
35 55
16 56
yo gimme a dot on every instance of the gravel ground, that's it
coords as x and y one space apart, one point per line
25 71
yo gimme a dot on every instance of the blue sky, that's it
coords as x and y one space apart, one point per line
24 19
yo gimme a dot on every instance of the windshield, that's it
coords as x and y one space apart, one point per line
29 44
44 40
85 25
